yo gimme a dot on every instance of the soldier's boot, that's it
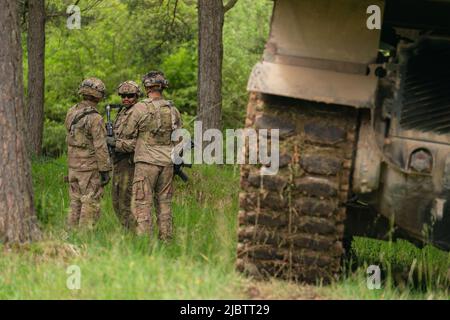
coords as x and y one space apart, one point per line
73 218
128 220
90 212
144 226
164 214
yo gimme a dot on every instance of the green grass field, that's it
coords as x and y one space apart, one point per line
198 264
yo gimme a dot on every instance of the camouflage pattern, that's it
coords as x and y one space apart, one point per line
154 168
87 156
153 184
85 193
128 123
92 87
155 78
125 129
86 142
128 87
154 145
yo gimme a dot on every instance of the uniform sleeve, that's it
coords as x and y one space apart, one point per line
145 122
138 120
98 132
128 144
125 145
179 121
66 122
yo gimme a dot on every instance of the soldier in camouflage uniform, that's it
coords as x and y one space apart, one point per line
153 174
88 158
126 127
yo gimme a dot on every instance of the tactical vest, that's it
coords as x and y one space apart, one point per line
163 120
78 133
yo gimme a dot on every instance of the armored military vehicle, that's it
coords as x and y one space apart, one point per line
364 130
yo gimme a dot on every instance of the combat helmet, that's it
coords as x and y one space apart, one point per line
155 79
92 87
128 87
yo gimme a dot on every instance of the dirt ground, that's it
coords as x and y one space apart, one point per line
280 290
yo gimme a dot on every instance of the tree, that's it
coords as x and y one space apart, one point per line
211 15
36 75
18 221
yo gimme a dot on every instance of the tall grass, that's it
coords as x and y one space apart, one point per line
114 263
405 265
198 264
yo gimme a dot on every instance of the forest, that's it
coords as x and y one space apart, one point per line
120 40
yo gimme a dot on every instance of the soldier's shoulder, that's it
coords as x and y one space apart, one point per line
141 106
95 115
72 109
146 101
172 104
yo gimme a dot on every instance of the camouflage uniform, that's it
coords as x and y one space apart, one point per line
126 128
87 157
154 168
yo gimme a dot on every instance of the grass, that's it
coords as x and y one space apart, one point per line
199 264
404 264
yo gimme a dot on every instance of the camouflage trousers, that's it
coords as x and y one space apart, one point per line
85 193
153 184
122 188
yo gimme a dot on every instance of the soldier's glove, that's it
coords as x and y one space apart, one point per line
111 141
104 178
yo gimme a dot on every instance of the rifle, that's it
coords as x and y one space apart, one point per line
178 168
109 125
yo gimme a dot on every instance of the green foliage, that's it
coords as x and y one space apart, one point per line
246 31
181 68
404 263
124 39
54 143
198 264
51 195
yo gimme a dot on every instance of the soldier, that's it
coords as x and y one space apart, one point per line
88 158
124 142
153 174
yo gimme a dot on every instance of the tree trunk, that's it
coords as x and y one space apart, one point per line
36 54
18 221
210 55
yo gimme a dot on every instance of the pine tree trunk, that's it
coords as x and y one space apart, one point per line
18 221
210 55
36 54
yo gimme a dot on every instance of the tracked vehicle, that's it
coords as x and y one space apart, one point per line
364 120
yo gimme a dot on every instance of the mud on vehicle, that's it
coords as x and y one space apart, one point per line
364 120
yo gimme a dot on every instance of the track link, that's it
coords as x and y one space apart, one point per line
291 225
